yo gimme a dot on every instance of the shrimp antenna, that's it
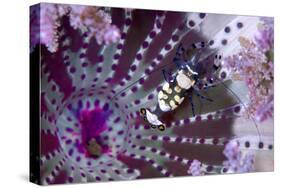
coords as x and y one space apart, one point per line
130 85
237 97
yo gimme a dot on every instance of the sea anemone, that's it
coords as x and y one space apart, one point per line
92 91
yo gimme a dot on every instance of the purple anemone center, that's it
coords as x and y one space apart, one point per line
92 124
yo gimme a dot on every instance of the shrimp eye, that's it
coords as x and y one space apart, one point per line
143 111
195 77
145 119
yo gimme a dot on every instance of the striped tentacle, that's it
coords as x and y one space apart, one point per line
47 127
49 178
213 169
104 173
49 162
65 44
116 132
47 158
78 72
116 170
99 74
85 69
135 69
51 97
82 175
180 140
226 39
120 46
94 175
147 101
205 168
152 162
229 112
97 176
255 142
122 172
147 151
71 174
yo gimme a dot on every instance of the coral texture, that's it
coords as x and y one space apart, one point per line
47 20
254 65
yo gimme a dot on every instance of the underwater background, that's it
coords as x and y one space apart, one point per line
99 66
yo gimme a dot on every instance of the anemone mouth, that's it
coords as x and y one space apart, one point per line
89 125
